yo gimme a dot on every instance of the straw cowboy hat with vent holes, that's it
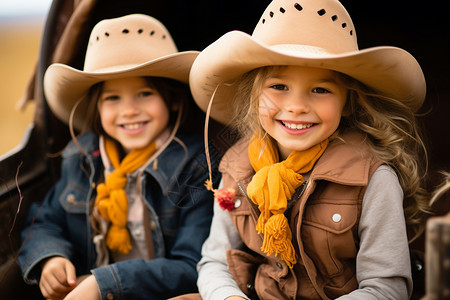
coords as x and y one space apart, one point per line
128 46
313 33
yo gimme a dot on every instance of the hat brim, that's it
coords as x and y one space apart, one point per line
391 71
64 85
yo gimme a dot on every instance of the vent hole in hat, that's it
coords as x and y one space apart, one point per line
271 14
106 34
140 31
344 25
334 18
97 38
298 7
125 31
282 10
263 21
164 36
351 32
321 12
152 32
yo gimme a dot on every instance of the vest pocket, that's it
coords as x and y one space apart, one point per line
327 235
243 267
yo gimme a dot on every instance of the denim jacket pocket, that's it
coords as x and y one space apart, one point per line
327 235
73 198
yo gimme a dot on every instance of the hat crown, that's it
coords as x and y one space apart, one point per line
126 42
319 23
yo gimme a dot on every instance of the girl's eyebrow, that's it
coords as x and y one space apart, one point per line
104 91
330 79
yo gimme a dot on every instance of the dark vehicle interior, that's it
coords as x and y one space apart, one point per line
419 27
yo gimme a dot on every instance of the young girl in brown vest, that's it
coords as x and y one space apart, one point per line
315 195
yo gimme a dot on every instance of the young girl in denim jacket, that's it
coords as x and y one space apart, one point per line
129 214
315 195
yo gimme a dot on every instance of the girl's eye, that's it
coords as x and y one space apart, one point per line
110 98
145 93
320 90
280 87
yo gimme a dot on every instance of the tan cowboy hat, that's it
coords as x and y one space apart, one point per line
313 33
132 45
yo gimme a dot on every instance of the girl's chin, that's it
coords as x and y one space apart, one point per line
288 147
128 147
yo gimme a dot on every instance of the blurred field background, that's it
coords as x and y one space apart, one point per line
20 34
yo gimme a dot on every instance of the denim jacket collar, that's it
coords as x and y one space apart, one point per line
165 169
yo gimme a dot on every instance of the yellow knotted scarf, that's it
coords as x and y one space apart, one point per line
112 201
273 184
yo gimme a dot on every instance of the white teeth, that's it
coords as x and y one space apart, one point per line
297 126
133 126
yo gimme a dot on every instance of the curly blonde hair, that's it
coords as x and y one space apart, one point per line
440 190
390 128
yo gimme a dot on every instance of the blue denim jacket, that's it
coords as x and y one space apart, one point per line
179 206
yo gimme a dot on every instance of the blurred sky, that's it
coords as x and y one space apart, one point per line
13 8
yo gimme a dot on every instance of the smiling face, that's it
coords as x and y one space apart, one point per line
132 112
300 107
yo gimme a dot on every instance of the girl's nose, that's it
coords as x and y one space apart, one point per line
297 103
129 107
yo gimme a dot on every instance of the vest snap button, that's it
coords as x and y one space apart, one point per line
237 203
110 296
337 218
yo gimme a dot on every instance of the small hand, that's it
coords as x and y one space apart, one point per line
58 278
87 289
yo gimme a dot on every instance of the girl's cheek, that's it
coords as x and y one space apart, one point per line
268 106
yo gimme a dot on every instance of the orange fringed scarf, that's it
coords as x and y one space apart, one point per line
112 201
273 184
